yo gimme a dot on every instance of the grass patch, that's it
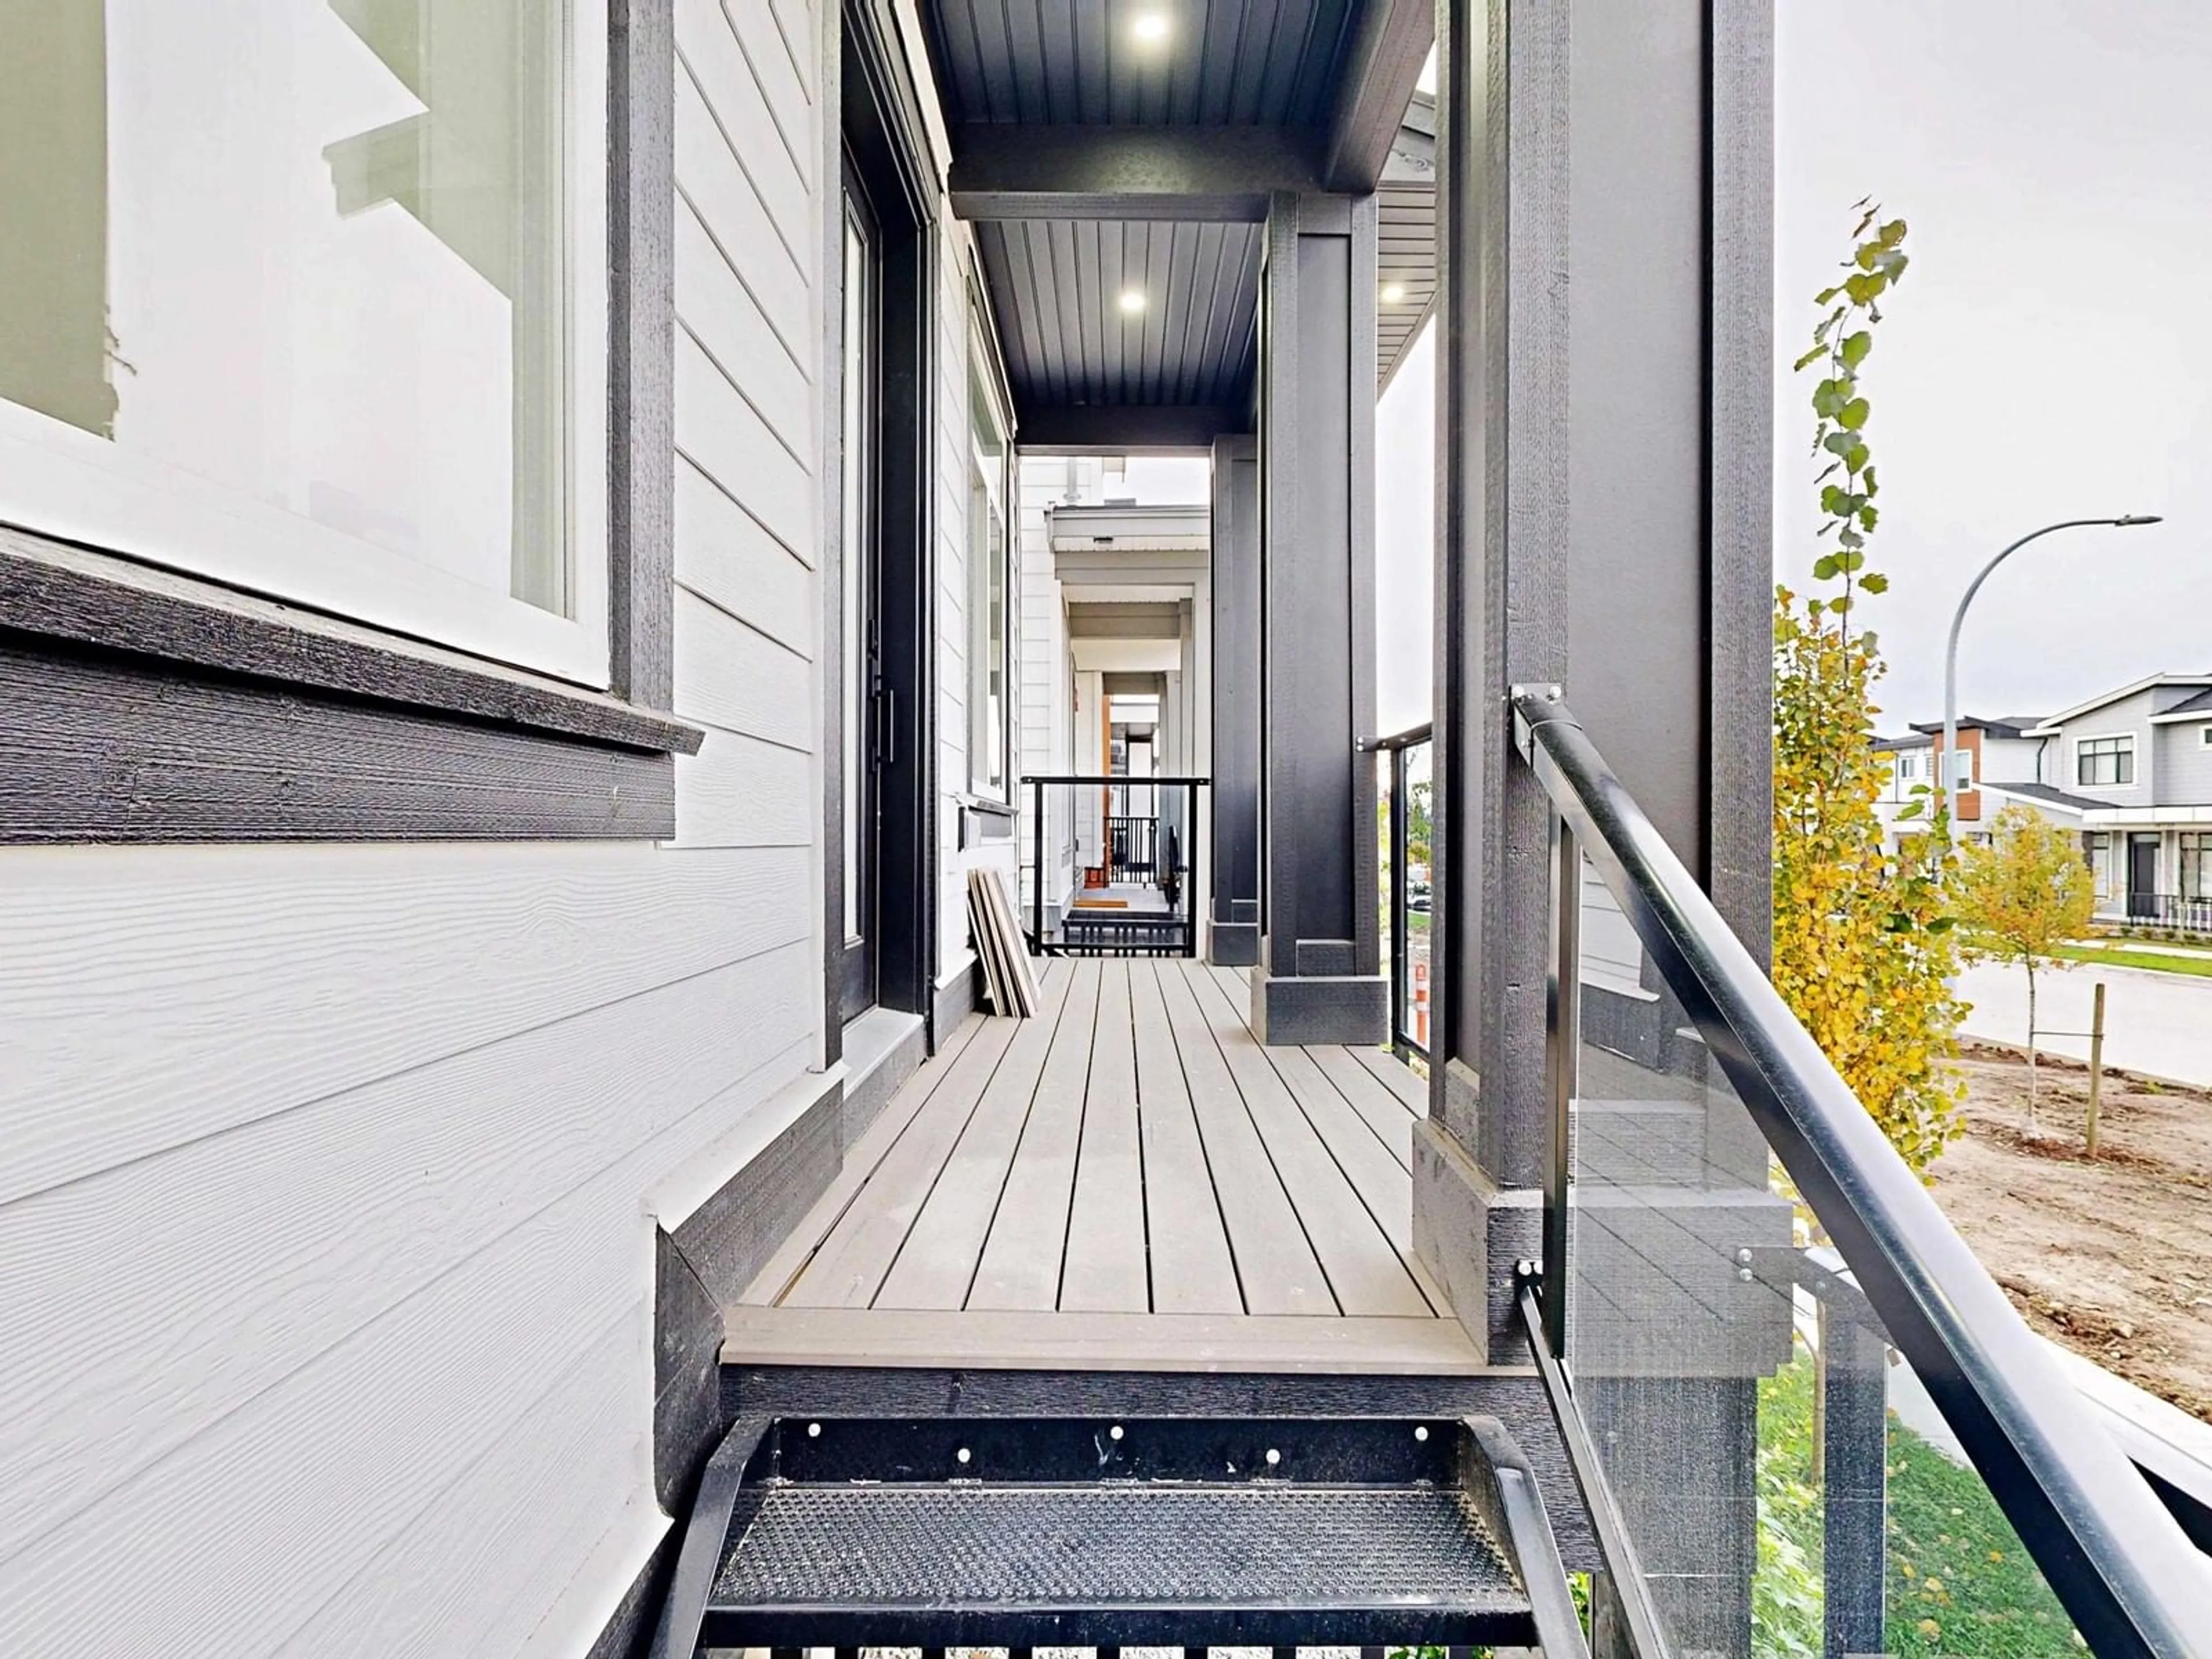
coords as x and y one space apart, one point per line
2136 956
1959 1580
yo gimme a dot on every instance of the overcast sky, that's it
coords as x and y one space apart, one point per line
2048 357
2049 354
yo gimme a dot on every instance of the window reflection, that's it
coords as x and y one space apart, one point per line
312 253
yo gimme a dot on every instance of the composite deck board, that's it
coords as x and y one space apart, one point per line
1020 1264
1395 1076
1365 1266
1129 1180
1099 1342
850 1269
1193 1267
1105 1268
1386 1116
1275 1263
861 1161
936 1264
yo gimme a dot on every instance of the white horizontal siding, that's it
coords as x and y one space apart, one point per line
326 1215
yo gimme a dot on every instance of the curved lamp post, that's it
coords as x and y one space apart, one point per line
1946 768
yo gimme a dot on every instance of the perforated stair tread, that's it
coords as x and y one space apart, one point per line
1105 1547
1047 1531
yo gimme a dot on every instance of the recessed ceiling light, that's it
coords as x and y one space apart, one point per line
1132 300
1151 27
1393 293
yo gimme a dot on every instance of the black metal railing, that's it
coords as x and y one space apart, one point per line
2180 912
1113 864
1406 886
1675 1291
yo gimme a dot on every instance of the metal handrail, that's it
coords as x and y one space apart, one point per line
1180 883
1413 735
2126 1573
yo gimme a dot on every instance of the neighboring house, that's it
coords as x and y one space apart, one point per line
2136 763
2131 770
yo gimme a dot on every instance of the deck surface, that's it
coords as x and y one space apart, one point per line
1126 1181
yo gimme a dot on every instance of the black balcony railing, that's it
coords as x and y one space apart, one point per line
1113 867
1695 1347
1404 789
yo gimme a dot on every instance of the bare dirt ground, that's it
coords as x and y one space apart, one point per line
2114 1258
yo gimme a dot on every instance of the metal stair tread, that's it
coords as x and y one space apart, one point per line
1121 1545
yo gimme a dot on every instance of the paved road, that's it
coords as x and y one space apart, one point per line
2160 1023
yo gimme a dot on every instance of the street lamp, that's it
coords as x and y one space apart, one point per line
1947 767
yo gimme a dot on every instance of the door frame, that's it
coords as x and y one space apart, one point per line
881 125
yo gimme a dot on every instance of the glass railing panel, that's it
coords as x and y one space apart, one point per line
1785 1482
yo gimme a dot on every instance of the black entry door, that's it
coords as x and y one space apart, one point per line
2142 876
864 728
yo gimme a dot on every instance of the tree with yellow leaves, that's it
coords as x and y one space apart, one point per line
1863 952
2025 892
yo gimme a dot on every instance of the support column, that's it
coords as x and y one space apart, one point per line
1233 932
1319 976
1603 478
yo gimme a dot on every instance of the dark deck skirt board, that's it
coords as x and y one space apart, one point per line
1128 1181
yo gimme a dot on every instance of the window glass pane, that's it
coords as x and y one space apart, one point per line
859 305
987 555
309 251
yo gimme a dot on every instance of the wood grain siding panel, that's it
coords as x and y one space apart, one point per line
716 308
345 964
708 177
722 433
339 1459
736 678
105 749
708 54
207 1275
739 791
725 557
544 1492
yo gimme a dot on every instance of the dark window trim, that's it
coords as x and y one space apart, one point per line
881 124
148 705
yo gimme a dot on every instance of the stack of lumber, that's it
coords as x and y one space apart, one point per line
1008 979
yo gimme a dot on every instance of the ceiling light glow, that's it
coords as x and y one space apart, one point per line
1393 293
1151 27
1132 300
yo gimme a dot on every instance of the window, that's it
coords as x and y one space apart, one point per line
989 558
2195 863
1962 769
2102 865
313 303
1908 765
2105 761
2204 736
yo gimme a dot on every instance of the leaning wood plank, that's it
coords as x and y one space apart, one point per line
848 1269
1382 1185
1020 1265
860 1164
1274 1263
1102 1342
1012 944
1194 1270
936 1265
1104 1269
1365 1273
1384 1115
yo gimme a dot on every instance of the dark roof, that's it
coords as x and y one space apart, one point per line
2008 726
2045 792
1884 746
2199 704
